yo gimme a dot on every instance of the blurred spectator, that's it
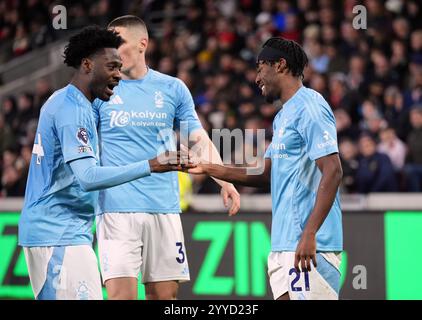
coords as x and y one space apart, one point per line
338 62
100 13
43 91
356 75
341 96
265 26
393 147
345 127
12 182
350 39
329 34
401 28
319 60
319 83
9 109
349 162
372 119
291 30
413 95
30 131
40 33
413 168
413 11
25 112
416 42
393 106
382 71
399 59
78 16
7 138
375 172
21 41
166 66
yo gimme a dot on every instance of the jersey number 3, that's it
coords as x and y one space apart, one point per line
181 257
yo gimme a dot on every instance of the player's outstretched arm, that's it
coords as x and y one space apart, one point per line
92 177
332 173
207 151
258 177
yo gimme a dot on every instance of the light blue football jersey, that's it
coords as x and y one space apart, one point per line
56 211
303 131
137 124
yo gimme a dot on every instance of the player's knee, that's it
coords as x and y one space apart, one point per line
116 290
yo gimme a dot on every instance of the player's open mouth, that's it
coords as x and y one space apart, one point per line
109 88
262 87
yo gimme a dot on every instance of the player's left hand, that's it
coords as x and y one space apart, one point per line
228 191
305 252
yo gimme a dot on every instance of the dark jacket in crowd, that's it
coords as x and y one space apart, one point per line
376 174
414 143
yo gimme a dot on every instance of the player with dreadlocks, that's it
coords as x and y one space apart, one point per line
58 212
304 170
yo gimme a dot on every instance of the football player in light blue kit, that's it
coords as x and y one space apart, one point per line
55 228
304 170
139 228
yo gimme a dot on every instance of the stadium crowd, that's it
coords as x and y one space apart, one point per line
371 77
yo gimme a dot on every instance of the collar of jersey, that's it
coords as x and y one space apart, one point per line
140 80
289 102
74 91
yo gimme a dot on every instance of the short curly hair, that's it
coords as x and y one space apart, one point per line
87 43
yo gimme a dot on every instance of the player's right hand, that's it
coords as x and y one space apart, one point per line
198 168
199 164
170 161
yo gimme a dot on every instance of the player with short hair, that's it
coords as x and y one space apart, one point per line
304 170
55 227
139 226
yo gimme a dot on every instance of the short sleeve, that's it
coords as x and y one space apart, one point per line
74 134
185 111
318 130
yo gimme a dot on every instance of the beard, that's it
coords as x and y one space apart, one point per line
270 94
269 98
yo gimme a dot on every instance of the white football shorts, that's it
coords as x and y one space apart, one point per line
321 283
134 243
64 273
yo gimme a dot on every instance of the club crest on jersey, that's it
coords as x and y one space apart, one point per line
159 100
82 292
82 136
